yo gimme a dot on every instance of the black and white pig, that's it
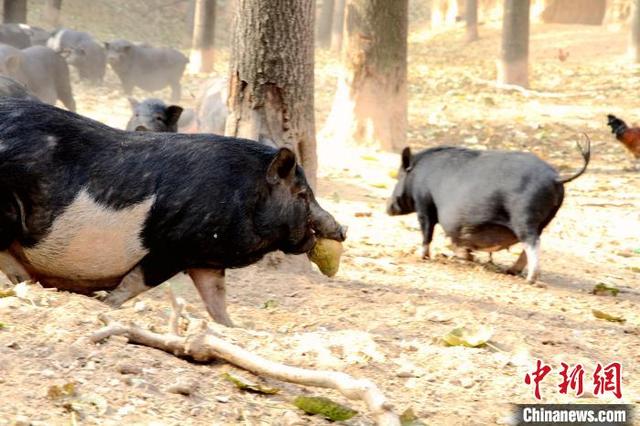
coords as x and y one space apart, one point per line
153 115
149 68
484 200
14 35
85 207
41 70
82 51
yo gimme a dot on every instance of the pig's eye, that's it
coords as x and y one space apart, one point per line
302 194
158 118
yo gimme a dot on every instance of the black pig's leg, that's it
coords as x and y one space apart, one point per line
153 270
131 285
532 249
211 286
426 225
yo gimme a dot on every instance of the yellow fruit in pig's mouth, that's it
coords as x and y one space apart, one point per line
326 254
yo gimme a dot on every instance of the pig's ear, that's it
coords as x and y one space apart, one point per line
141 128
282 167
406 158
173 114
133 102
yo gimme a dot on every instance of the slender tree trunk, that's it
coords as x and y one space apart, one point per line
325 24
271 76
337 25
201 57
370 106
513 66
471 18
52 12
634 48
15 11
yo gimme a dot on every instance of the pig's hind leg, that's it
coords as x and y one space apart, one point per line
530 257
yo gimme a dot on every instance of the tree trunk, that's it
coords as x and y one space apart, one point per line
471 18
15 11
52 12
634 48
370 106
325 24
513 66
337 25
201 56
271 76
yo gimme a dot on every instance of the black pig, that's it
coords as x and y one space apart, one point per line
86 207
153 115
41 70
82 51
149 68
484 200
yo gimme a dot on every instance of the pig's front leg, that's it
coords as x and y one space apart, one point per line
211 286
427 225
131 285
13 269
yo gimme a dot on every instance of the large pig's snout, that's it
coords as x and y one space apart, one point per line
325 225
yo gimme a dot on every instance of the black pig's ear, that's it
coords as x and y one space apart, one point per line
282 167
406 158
173 114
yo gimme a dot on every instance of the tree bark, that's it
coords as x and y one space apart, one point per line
52 12
271 78
15 11
513 66
337 25
471 18
201 56
634 48
370 106
325 24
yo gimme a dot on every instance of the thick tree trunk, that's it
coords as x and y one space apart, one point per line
471 18
634 48
337 25
201 56
52 12
513 66
370 106
325 24
15 11
271 76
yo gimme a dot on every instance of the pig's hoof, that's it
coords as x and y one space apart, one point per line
512 271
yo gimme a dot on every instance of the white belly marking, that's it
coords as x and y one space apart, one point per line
91 241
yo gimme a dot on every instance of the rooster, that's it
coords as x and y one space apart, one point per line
629 136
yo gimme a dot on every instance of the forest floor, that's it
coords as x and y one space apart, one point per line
384 314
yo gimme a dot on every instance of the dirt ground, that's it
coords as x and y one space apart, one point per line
384 314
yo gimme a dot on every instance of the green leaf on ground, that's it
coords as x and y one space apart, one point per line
605 316
7 292
57 392
248 385
602 288
408 418
472 338
325 407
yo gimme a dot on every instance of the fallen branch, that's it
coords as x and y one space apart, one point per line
205 346
520 89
